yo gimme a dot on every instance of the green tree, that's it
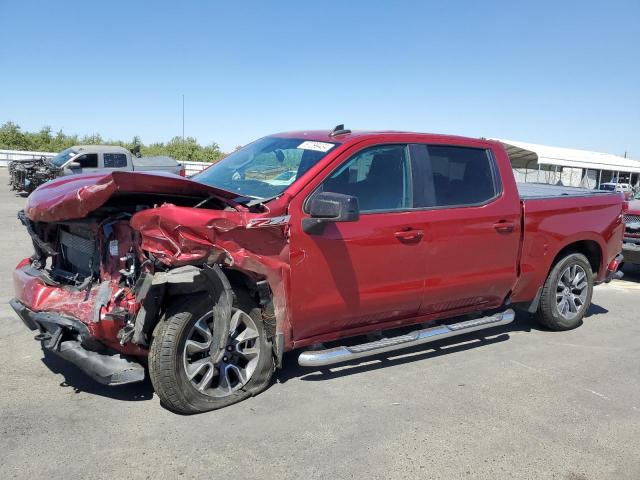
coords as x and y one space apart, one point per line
13 138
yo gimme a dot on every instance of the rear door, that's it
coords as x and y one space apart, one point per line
471 227
356 274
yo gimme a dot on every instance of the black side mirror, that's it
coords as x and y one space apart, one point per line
325 207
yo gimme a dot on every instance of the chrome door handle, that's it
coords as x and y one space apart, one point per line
504 227
409 235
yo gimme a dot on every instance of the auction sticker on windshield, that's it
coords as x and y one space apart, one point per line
317 146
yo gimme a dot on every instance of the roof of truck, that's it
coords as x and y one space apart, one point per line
357 135
100 148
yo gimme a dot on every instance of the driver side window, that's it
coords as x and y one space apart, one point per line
379 177
88 160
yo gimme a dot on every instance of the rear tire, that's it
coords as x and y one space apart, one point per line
566 294
184 378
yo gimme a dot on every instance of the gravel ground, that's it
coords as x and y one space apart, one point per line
517 403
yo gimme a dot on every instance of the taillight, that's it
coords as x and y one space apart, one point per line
183 172
615 263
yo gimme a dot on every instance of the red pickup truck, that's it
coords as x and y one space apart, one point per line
211 279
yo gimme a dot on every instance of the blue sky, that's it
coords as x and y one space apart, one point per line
556 72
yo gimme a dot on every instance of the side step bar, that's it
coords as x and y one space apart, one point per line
319 358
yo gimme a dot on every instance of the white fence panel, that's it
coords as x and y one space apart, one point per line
194 167
7 156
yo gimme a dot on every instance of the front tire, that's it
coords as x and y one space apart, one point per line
181 368
566 294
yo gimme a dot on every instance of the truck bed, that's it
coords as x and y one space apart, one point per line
542 190
153 162
554 215
159 163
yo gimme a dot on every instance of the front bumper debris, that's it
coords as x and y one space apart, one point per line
69 338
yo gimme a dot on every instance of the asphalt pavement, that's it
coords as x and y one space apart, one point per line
516 402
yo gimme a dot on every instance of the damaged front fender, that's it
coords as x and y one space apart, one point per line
178 236
152 289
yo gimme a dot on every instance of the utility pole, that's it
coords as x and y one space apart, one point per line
183 118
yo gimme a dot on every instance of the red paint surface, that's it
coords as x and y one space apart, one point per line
355 277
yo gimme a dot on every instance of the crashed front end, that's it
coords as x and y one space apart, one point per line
27 175
110 250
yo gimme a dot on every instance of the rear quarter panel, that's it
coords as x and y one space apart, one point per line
551 224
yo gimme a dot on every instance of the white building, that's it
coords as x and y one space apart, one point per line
580 168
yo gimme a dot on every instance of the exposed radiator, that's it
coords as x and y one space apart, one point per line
80 254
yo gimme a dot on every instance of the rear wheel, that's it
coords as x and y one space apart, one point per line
566 294
181 365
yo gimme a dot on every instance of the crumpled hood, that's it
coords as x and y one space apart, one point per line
76 196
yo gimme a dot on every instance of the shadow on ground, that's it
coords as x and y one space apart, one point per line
77 380
523 322
80 382
631 273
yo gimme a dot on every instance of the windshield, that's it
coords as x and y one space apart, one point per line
608 186
62 158
265 168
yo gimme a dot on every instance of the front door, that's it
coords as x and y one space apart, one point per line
86 163
355 274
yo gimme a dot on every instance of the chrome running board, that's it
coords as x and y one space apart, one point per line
319 358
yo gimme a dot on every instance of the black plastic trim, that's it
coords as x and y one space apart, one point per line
105 366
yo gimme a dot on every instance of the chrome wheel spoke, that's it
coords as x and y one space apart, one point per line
573 308
205 382
581 286
239 373
193 346
577 302
197 367
235 321
224 384
246 334
202 327
248 353
563 305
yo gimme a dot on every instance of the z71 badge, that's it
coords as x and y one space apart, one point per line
269 222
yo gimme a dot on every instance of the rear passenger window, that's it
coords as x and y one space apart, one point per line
114 160
88 160
454 176
378 177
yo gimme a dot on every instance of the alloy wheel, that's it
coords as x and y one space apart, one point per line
571 292
234 370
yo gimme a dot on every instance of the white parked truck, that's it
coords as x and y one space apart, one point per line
27 175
